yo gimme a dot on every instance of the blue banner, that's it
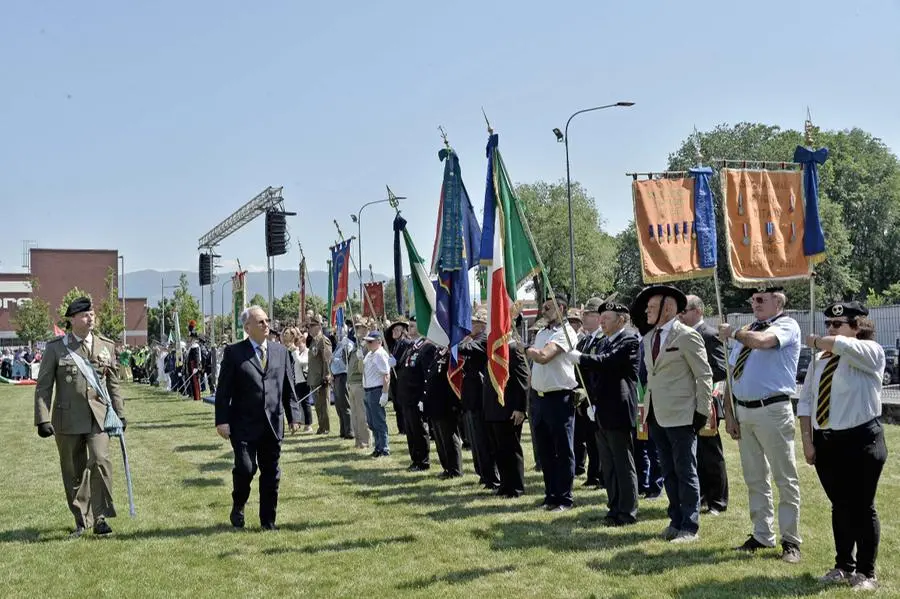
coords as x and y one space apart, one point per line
813 236
704 218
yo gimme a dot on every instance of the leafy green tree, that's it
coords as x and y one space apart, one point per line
259 300
546 209
32 318
390 299
287 308
110 319
163 308
71 295
188 307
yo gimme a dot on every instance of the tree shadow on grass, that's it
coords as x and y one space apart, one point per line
457 577
220 464
574 533
200 447
342 545
155 425
638 562
461 510
203 482
763 586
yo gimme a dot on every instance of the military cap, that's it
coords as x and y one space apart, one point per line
848 309
402 322
77 306
772 289
480 316
315 319
614 307
573 314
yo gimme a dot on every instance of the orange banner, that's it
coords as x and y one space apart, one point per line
664 217
764 225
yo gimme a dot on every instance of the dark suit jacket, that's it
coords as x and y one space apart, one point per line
474 350
715 351
440 401
611 372
515 395
252 402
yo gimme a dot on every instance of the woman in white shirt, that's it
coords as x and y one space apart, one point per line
295 342
839 409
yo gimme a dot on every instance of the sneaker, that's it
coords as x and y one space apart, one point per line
861 582
790 552
835 576
751 545
102 528
685 536
713 512
669 533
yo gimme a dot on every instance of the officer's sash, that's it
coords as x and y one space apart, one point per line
111 425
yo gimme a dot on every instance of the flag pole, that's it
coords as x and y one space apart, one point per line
358 273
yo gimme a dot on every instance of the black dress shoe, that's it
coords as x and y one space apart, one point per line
102 528
491 486
75 534
237 518
268 526
418 467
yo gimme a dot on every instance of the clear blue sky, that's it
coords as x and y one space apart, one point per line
139 126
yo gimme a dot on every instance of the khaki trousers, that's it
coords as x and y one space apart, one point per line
358 415
87 475
322 399
767 443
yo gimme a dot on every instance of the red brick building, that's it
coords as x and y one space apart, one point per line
56 271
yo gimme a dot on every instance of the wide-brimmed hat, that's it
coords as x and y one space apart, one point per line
574 314
400 322
480 315
315 319
639 305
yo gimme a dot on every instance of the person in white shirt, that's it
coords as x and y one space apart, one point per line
553 404
376 381
838 409
295 342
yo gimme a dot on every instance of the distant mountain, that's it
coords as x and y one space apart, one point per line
146 283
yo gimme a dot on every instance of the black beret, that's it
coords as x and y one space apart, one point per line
614 307
848 309
764 289
82 304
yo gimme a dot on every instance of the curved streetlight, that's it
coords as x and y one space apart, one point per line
357 218
563 137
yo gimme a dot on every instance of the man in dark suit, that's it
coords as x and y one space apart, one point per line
610 366
585 428
710 456
255 391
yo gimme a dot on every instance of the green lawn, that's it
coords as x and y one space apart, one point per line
355 527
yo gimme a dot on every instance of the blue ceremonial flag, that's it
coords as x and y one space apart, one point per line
813 236
704 217
457 249
340 260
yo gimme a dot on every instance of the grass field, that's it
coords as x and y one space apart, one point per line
351 526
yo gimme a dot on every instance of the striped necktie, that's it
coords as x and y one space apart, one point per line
823 406
744 354
262 356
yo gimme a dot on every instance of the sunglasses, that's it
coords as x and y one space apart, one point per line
835 323
758 300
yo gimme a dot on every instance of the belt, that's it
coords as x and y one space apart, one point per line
761 403
375 387
554 392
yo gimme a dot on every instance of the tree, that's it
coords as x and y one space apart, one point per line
71 295
390 299
110 319
627 278
223 325
545 206
259 300
164 307
188 307
32 318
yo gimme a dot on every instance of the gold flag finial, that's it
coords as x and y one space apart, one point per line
809 130
487 122
444 137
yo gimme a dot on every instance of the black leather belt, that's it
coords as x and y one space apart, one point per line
761 403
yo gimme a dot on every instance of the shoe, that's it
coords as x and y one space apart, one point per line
751 545
237 517
592 482
652 496
669 533
102 528
835 576
685 536
444 475
790 552
861 582
611 522
510 494
713 512
579 471
559 508
351 437
375 454
268 526
75 534
418 467
490 487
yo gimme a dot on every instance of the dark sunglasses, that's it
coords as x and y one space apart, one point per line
758 300
835 323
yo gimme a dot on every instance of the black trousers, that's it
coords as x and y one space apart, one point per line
302 390
417 439
586 457
849 464
448 444
554 431
342 405
712 472
506 443
616 450
482 453
261 454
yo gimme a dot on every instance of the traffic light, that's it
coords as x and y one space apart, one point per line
206 269
276 233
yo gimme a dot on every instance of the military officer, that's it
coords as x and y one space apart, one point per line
319 374
77 414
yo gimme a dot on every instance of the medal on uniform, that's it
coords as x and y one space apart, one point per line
677 232
69 378
746 234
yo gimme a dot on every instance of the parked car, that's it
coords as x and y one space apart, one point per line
803 363
892 365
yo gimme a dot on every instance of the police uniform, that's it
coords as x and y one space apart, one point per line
76 416
195 366
473 350
442 409
586 457
396 348
411 374
763 381
318 376
842 399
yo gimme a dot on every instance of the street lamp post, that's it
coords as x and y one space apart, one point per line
124 313
564 137
222 294
357 218
162 308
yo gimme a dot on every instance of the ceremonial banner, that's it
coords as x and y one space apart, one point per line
238 303
423 292
676 228
813 236
340 264
764 225
302 309
373 303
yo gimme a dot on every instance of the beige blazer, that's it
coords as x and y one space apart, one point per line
680 382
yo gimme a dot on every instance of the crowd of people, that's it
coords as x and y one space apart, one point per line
16 362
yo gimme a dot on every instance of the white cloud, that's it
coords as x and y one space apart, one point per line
232 266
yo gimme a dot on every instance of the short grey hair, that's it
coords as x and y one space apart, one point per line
245 315
780 299
694 303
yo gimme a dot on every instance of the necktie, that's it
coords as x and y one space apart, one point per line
262 356
744 354
823 406
654 352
